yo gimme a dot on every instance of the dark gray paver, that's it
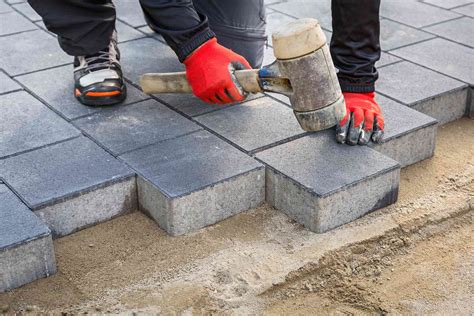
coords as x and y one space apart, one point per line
62 97
14 22
126 32
26 247
7 84
323 184
195 180
18 55
26 124
275 21
448 4
130 11
393 35
320 10
414 13
459 30
254 124
466 10
423 89
409 137
441 55
147 55
386 59
192 106
28 11
72 184
123 129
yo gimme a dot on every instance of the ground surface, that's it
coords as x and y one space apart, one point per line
130 264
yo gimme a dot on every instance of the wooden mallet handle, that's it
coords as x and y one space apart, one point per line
176 82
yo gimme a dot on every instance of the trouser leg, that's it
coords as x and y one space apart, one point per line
355 43
83 26
239 26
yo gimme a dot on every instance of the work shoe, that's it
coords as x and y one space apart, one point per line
98 78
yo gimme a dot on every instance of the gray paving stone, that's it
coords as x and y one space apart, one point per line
7 84
14 22
126 33
459 30
18 57
448 4
26 247
410 136
322 184
195 180
123 129
393 35
423 90
130 12
276 20
61 97
320 10
254 124
71 185
413 13
386 59
5 7
466 10
441 55
26 124
147 55
28 11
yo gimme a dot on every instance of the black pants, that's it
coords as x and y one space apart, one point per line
84 27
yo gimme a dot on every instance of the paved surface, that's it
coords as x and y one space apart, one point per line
189 164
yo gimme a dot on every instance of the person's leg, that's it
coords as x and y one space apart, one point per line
355 44
83 26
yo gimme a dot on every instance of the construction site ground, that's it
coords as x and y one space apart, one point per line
414 257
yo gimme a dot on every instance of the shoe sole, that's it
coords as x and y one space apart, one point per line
103 101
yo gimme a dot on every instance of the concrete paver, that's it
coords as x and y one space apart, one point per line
409 137
26 124
14 22
61 98
57 182
254 124
30 51
448 4
122 129
5 7
386 59
320 10
7 84
414 13
26 247
441 55
459 30
422 89
467 10
130 12
393 35
196 180
27 11
126 32
322 184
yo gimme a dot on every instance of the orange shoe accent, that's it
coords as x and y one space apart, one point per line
102 94
77 92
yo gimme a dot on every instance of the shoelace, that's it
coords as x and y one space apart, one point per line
103 59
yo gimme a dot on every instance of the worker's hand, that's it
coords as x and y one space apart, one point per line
209 70
363 120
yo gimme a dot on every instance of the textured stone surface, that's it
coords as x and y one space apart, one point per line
320 10
413 13
448 4
26 248
13 22
7 84
409 136
130 12
25 124
28 11
17 57
393 35
194 181
419 87
470 105
322 184
61 97
254 124
147 55
459 30
441 55
466 10
276 20
122 129
386 59
126 32
5 7
63 171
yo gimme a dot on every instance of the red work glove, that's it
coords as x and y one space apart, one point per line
363 120
209 70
